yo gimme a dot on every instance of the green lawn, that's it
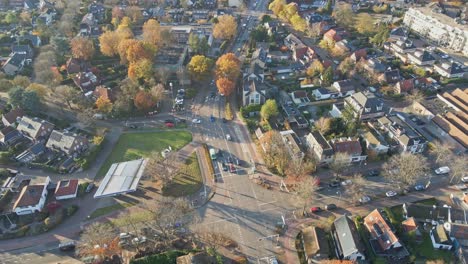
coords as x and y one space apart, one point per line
109 209
425 250
132 146
188 179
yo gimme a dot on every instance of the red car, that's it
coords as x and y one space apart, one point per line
315 209
232 169
167 124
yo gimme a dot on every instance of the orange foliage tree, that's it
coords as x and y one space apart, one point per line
140 70
144 101
82 48
225 86
228 66
152 32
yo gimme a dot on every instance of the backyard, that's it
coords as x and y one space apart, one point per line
132 146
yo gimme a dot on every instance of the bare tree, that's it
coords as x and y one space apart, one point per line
357 189
405 169
340 161
86 117
160 168
298 168
211 239
322 124
99 239
458 167
66 94
442 152
415 96
306 189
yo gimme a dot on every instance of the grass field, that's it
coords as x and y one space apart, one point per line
108 209
132 146
188 179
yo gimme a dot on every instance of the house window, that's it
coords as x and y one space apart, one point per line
252 101
367 110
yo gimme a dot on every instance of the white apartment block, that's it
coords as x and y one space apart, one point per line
442 29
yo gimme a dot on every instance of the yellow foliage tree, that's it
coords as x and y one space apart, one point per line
104 105
226 28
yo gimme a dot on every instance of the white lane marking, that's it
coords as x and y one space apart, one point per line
220 220
262 204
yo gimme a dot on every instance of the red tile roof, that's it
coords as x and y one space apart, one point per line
406 85
380 230
67 187
13 115
102 91
30 195
409 224
300 94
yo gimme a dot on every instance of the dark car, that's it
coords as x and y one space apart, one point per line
133 126
229 160
315 209
225 167
212 118
329 207
90 187
420 187
373 173
334 184
168 121
67 246
224 120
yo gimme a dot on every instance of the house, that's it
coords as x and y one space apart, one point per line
403 46
300 98
319 147
34 128
303 54
451 70
46 17
291 41
344 46
76 65
335 35
254 92
440 239
66 142
346 239
404 86
293 144
351 147
390 76
31 153
398 33
375 143
337 109
30 4
410 225
383 237
421 58
408 139
344 87
11 117
358 55
316 248
278 55
103 92
323 94
31 199
15 63
86 81
9 135
66 189
366 106
374 66
426 214
458 232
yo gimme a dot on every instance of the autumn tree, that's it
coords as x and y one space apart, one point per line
225 86
327 76
298 168
199 66
226 28
152 32
131 50
277 6
82 48
144 101
109 41
357 189
306 189
315 68
340 161
228 66
442 152
275 152
140 70
269 109
344 15
298 23
346 66
162 169
458 167
100 240
405 169
157 92
41 90
364 24
322 124
125 22
117 12
66 94
104 105
381 36
134 12
21 81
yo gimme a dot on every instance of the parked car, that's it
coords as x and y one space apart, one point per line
170 125
139 240
196 121
373 173
346 182
465 179
391 193
225 167
90 187
329 207
133 126
224 120
124 235
315 209
67 246
228 137
420 187
364 199
232 169
212 118
442 170
334 184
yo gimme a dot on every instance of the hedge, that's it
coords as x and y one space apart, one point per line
69 211
206 153
168 257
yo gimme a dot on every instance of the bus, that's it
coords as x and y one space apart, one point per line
212 153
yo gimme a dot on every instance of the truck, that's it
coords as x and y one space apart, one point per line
213 153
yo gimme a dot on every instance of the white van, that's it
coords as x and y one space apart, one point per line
228 137
442 170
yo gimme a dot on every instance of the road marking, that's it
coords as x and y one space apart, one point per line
221 220
262 204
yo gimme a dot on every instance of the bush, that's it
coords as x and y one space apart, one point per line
211 170
228 111
82 188
69 211
86 161
190 93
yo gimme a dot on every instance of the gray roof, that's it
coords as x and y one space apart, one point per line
367 100
423 55
347 235
62 140
32 126
327 149
16 60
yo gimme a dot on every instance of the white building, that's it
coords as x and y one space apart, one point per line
31 199
442 29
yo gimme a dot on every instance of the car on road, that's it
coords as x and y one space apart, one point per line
364 199
444 56
334 184
212 118
315 209
124 235
169 121
67 246
169 125
90 187
346 182
196 121
419 187
224 166
329 207
465 179
373 173
133 126
139 240
232 169
442 170
391 194
228 137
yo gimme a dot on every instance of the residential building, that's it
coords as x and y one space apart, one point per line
293 144
335 34
9 135
426 213
347 241
320 148
21 55
408 138
300 98
358 55
254 92
431 23
375 142
68 143
344 87
316 248
86 81
34 128
458 232
390 76
451 70
398 33
103 92
404 86
10 118
383 237
440 239
31 199
403 46
421 58
66 189
324 94
31 154
291 41
374 66
351 147
366 106
76 65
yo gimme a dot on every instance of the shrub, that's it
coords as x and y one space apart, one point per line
228 111
82 188
190 93
71 210
206 151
